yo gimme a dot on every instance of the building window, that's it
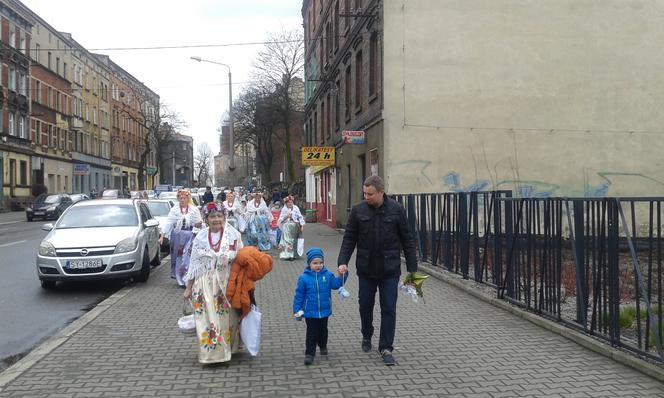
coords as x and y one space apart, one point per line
336 26
12 78
49 97
12 36
23 173
57 65
49 60
12 124
328 121
337 105
347 12
358 80
315 127
37 53
347 92
64 69
37 93
22 132
373 64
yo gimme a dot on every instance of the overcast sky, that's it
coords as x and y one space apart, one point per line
197 91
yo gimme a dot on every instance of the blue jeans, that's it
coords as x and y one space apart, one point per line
387 291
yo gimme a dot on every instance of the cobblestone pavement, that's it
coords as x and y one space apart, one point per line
454 345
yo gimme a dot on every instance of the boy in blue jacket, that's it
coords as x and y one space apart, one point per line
313 301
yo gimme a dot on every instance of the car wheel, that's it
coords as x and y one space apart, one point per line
48 285
145 268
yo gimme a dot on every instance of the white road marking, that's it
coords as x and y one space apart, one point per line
13 243
10 222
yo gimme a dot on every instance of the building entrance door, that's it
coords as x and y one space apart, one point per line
12 177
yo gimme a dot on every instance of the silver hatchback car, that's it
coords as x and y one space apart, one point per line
99 239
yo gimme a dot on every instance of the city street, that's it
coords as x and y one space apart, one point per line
30 313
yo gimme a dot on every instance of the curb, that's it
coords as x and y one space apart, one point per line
61 337
634 362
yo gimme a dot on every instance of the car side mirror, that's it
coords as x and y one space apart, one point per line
151 223
47 227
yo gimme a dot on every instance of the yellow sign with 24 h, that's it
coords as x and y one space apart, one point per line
318 155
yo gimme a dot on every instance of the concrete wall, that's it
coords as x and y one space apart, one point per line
541 97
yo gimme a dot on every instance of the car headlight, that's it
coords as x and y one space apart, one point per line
126 245
46 249
52 208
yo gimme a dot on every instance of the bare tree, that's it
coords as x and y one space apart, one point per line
277 66
203 164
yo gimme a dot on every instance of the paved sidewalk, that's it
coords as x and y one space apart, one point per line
454 345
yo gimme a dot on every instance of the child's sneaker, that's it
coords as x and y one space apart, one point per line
308 360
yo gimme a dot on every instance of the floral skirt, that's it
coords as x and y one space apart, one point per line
180 251
217 324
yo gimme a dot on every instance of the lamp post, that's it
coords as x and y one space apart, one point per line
231 140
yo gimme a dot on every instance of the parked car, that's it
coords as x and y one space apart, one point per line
99 239
169 195
48 206
159 209
77 197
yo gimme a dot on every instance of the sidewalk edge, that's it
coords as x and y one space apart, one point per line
581 339
61 337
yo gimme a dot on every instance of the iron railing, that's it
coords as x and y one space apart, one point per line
594 264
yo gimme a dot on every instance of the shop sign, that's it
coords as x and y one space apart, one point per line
352 137
81 169
116 171
318 155
151 171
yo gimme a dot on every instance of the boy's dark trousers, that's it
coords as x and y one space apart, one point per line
316 334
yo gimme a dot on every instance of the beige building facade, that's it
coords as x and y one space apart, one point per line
542 98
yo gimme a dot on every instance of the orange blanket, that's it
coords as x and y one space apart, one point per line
250 265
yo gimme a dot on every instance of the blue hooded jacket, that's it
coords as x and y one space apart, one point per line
314 291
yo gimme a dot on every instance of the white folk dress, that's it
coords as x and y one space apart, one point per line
217 327
179 228
235 215
258 219
290 221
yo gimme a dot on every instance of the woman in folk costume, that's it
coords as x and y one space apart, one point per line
250 266
183 222
213 252
291 224
258 218
234 212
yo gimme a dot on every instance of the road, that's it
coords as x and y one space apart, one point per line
31 314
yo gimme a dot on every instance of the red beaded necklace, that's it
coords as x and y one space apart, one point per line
215 246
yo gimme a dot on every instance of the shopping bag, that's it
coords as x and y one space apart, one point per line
250 330
300 247
241 224
187 324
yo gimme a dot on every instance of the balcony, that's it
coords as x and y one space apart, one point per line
76 123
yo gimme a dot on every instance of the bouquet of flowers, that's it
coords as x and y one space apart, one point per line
412 285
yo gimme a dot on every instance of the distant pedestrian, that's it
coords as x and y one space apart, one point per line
276 196
313 301
207 196
93 193
379 228
291 223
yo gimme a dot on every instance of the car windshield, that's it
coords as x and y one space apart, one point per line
159 209
99 216
47 199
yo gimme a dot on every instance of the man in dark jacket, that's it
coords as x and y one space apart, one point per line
207 196
379 228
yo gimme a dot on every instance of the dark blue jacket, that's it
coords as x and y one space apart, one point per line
314 291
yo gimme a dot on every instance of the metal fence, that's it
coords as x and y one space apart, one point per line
594 264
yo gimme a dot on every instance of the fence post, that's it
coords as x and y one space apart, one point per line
497 240
613 237
433 249
464 239
580 262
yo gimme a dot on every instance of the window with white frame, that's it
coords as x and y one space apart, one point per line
94 115
23 85
37 53
12 78
12 36
21 128
36 96
12 124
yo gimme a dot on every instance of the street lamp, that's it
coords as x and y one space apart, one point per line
231 166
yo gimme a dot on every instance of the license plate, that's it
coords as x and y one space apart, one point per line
39 213
83 264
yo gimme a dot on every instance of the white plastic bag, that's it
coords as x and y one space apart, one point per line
300 247
187 324
409 291
250 331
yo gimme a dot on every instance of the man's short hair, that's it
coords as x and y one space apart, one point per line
376 182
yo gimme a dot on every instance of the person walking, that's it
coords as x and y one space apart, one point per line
207 196
379 228
313 301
